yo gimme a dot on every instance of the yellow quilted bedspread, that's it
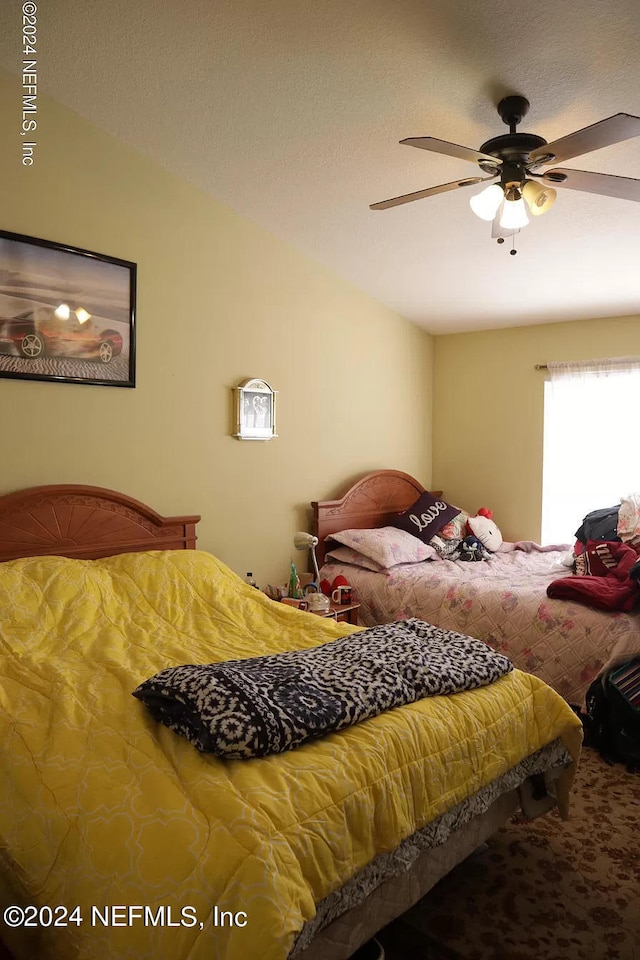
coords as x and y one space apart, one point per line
105 810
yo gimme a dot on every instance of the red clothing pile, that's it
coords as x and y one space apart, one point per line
602 577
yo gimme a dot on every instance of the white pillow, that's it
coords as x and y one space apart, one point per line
486 531
386 546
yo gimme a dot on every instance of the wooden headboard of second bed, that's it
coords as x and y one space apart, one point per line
371 502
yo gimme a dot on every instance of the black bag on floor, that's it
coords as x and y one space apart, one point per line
612 721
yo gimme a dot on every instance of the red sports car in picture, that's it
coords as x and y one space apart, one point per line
33 337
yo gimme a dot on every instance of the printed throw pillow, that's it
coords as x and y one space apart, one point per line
386 546
446 549
456 529
426 517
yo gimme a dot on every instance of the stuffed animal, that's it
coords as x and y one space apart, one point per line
471 549
484 528
327 587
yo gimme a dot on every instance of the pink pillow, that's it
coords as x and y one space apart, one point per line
456 529
354 557
385 546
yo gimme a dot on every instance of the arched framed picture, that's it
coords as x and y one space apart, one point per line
255 410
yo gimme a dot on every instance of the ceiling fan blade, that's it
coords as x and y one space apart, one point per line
622 126
429 192
626 188
451 150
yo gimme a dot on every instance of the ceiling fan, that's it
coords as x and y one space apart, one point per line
514 159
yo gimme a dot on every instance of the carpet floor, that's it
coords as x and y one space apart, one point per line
543 889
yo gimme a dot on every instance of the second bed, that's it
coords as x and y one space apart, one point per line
502 601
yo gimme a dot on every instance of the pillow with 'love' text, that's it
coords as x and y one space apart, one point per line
426 517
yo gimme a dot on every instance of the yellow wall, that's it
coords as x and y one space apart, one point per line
488 412
219 300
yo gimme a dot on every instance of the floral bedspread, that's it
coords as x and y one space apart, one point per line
503 602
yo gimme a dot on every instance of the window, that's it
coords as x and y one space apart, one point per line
591 451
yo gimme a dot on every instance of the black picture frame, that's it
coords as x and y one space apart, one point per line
66 314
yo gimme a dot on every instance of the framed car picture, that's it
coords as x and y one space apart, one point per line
66 314
255 411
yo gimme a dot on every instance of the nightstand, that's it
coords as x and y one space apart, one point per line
342 612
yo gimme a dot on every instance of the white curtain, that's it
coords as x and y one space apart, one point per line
591 450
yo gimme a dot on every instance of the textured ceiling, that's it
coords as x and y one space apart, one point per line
290 112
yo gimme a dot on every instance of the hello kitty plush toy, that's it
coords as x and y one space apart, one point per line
484 528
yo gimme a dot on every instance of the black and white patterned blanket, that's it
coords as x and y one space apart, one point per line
265 705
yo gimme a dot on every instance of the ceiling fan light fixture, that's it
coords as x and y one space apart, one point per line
539 199
514 214
513 158
485 205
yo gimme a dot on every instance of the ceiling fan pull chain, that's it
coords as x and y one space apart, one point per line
513 250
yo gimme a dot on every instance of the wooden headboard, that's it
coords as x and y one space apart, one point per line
74 520
371 502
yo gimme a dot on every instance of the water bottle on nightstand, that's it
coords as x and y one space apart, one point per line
250 580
